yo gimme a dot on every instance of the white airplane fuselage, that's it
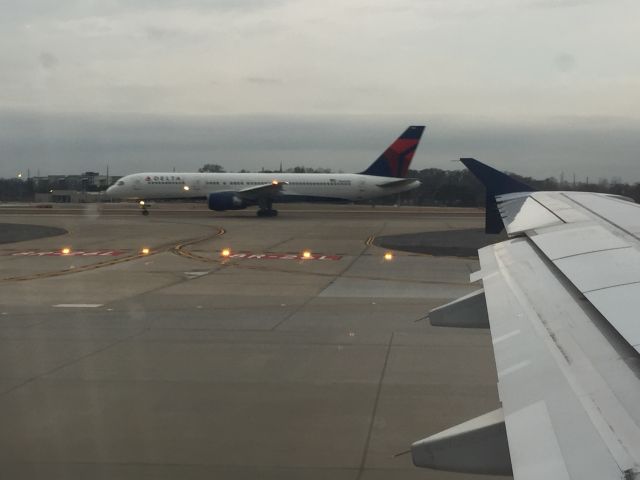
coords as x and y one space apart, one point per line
329 187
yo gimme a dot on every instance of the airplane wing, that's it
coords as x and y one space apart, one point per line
270 189
561 298
398 183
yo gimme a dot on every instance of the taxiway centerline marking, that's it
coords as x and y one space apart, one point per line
78 305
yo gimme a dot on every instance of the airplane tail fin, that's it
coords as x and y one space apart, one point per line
495 183
395 160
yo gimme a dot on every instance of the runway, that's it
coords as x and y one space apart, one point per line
180 363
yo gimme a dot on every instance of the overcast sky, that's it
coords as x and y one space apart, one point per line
538 87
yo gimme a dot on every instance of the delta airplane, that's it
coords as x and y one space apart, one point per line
236 191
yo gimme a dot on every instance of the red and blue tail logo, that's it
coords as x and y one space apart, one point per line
395 160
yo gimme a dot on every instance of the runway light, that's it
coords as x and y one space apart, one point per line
186 188
141 203
66 251
306 254
225 252
388 256
145 251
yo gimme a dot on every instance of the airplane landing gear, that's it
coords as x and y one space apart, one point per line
143 207
145 212
267 213
265 209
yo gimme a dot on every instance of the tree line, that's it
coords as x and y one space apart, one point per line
459 188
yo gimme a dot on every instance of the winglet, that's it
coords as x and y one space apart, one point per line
495 183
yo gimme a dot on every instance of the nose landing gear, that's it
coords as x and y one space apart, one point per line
143 207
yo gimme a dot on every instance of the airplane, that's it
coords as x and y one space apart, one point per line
236 191
561 298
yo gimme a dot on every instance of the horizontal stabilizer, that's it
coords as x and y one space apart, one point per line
469 311
496 183
399 183
476 446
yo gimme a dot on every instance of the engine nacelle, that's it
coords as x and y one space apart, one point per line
226 201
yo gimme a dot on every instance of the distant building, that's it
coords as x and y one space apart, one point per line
69 196
86 182
83 188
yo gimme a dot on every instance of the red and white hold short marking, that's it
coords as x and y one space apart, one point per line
281 256
72 253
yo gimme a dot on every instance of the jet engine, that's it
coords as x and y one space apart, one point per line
226 201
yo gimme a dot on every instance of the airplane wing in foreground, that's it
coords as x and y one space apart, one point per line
561 297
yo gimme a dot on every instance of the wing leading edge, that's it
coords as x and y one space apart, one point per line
561 298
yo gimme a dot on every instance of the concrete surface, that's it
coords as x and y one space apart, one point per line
183 365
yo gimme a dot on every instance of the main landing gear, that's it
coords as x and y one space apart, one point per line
265 209
267 213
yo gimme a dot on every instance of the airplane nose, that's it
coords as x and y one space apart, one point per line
111 190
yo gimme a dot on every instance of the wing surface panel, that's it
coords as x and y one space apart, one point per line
620 306
561 206
601 269
595 247
623 214
525 213
576 240
567 207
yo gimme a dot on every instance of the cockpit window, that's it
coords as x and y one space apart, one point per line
120 183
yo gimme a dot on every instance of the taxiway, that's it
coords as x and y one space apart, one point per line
180 363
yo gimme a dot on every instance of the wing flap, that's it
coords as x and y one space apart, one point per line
531 428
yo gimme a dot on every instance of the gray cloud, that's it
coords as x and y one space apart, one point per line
565 62
264 80
242 5
530 85
594 147
161 33
48 60
561 3
365 57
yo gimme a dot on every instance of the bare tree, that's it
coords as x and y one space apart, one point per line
211 168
